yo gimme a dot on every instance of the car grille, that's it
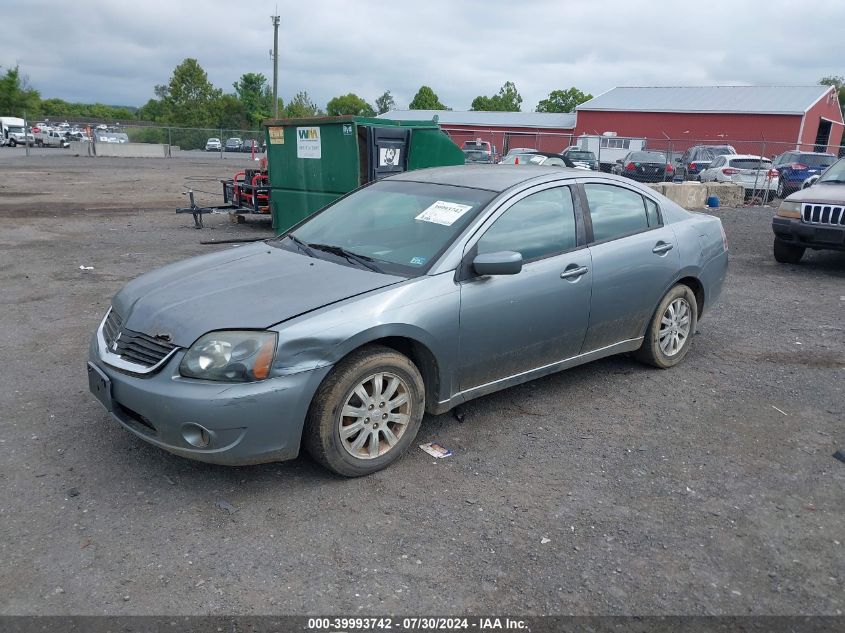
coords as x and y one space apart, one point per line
133 347
823 214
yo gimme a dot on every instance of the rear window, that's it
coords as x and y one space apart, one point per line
816 160
648 157
750 163
580 155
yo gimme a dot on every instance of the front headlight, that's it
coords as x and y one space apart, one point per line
789 209
230 356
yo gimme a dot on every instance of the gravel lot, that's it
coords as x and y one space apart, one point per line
612 488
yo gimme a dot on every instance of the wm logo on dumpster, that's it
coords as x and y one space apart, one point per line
308 133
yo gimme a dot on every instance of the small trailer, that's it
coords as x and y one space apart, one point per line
248 192
609 148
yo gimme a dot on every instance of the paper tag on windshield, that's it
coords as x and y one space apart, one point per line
445 213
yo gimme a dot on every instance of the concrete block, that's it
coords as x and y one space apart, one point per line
689 195
729 194
131 150
659 187
80 148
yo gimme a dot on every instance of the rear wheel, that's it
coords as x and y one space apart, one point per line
366 413
787 253
781 191
669 335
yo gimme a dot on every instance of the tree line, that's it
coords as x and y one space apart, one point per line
190 100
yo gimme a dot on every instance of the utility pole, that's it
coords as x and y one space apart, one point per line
275 19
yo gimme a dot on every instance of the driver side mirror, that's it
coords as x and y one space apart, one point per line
501 263
618 161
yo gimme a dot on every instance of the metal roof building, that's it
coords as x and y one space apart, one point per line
545 131
782 116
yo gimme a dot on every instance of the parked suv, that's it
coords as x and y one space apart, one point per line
795 167
812 218
212 145
483 146
698 158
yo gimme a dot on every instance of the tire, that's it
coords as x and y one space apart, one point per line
354 453
13 142
781 190
787 253
680 308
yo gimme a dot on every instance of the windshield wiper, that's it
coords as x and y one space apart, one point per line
835 181
361 260
302 245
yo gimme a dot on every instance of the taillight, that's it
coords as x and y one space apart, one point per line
692 166
773 173
730 171
798 166
669 168
630 167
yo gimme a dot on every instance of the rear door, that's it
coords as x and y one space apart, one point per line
634 261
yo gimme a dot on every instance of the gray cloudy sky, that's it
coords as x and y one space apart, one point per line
115 52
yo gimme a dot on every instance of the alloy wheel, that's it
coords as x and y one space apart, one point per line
375 416
674 327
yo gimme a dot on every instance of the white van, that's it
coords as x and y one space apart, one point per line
609 148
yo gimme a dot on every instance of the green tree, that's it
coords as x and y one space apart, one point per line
385 103
255 97
301 107
152 110
232 114
507 100
349 104
426 99
189 99
838 82
563 100
16 96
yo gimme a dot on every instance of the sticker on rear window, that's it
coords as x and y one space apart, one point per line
445 213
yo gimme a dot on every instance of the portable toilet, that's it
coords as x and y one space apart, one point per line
311 162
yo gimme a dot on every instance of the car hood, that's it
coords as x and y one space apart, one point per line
825 194
248 287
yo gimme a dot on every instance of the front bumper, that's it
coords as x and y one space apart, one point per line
247 423
817 236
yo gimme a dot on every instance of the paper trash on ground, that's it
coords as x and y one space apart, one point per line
436 450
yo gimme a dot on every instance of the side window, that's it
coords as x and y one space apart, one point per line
537 226
615 211
652 213
718 162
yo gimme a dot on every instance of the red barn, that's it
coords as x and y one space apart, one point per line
785 117
544 131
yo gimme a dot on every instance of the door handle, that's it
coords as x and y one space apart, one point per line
662 247
574 273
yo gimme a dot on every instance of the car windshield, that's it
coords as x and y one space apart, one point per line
396 227
647 157
816 160
834 174
16 129
580 156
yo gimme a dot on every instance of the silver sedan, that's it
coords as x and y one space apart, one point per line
411 295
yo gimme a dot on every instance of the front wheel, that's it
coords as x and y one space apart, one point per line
787 253
366 413
669 335
781 190
13 143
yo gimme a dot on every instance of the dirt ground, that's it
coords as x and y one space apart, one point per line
611 488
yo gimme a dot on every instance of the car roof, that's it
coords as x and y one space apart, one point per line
741 156
496 178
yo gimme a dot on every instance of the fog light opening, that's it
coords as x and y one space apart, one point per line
196 435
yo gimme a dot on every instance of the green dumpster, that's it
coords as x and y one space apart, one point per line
312 162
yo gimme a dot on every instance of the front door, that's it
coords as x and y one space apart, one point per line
510 324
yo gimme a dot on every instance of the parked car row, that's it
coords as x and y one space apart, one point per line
234 144
645 166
